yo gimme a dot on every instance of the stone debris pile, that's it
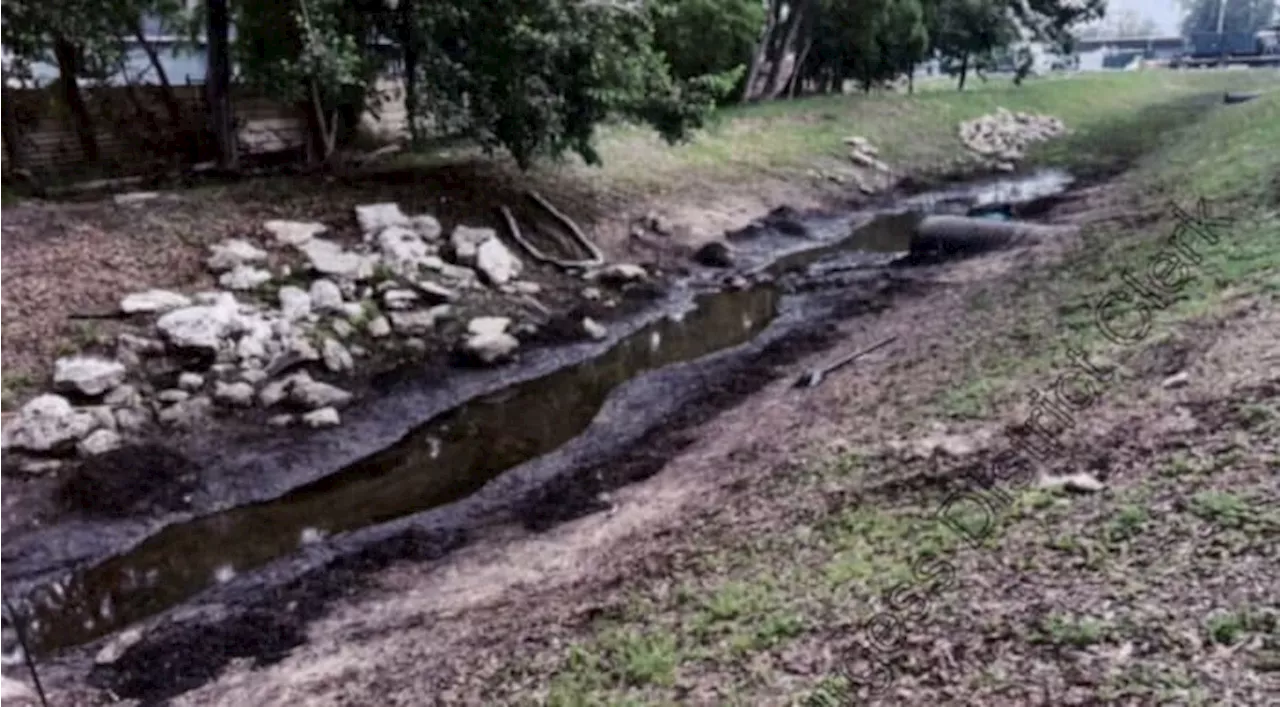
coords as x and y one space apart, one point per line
1004 136
292 304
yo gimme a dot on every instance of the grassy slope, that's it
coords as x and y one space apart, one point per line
1225 160
913 132
748 600
787 141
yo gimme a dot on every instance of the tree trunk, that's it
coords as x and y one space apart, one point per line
409 42
757 59
68 67
777 83
911 79
12 140
218 86
964 70
166 89
798 72
324 127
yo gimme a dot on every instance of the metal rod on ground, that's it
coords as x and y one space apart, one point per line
534 303
596 255
814 377
514 228
562 237
21 630
534 251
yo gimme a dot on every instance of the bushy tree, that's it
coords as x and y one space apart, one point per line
907 37
968 32
534 77
707 38
537 77
866 40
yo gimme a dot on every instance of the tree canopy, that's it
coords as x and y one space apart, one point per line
536 77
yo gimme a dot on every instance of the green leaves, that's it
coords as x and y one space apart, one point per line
710 41
536 77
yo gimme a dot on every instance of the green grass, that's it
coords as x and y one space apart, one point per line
1221 154
1113 119
743 602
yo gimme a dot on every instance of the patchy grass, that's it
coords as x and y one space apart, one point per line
1097 576
1072 632
1114 118
1222 159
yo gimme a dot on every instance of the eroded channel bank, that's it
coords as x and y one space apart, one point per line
539 448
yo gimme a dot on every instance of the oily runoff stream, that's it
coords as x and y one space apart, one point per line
456 453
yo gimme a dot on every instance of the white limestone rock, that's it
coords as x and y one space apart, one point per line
88 375
294 233
233 252
149 301
48 423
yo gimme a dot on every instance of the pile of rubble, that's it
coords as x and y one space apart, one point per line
1003 136
291 301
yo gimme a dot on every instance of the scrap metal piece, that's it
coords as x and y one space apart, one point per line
596 259
814 377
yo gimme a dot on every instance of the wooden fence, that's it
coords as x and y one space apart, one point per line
136 132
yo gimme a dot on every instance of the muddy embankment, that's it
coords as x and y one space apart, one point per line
274 530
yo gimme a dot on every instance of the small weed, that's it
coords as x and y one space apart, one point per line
1181 466
872 547
1037 499
1225 629
1129 522
1069 544
972 401
832 691
643 658
1223 509
382 273
15 385
778 628
734 600
84 335
1060 630
1229 627
1253 415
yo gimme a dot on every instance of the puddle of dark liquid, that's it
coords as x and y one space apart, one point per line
1018 189
872 244
448 458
